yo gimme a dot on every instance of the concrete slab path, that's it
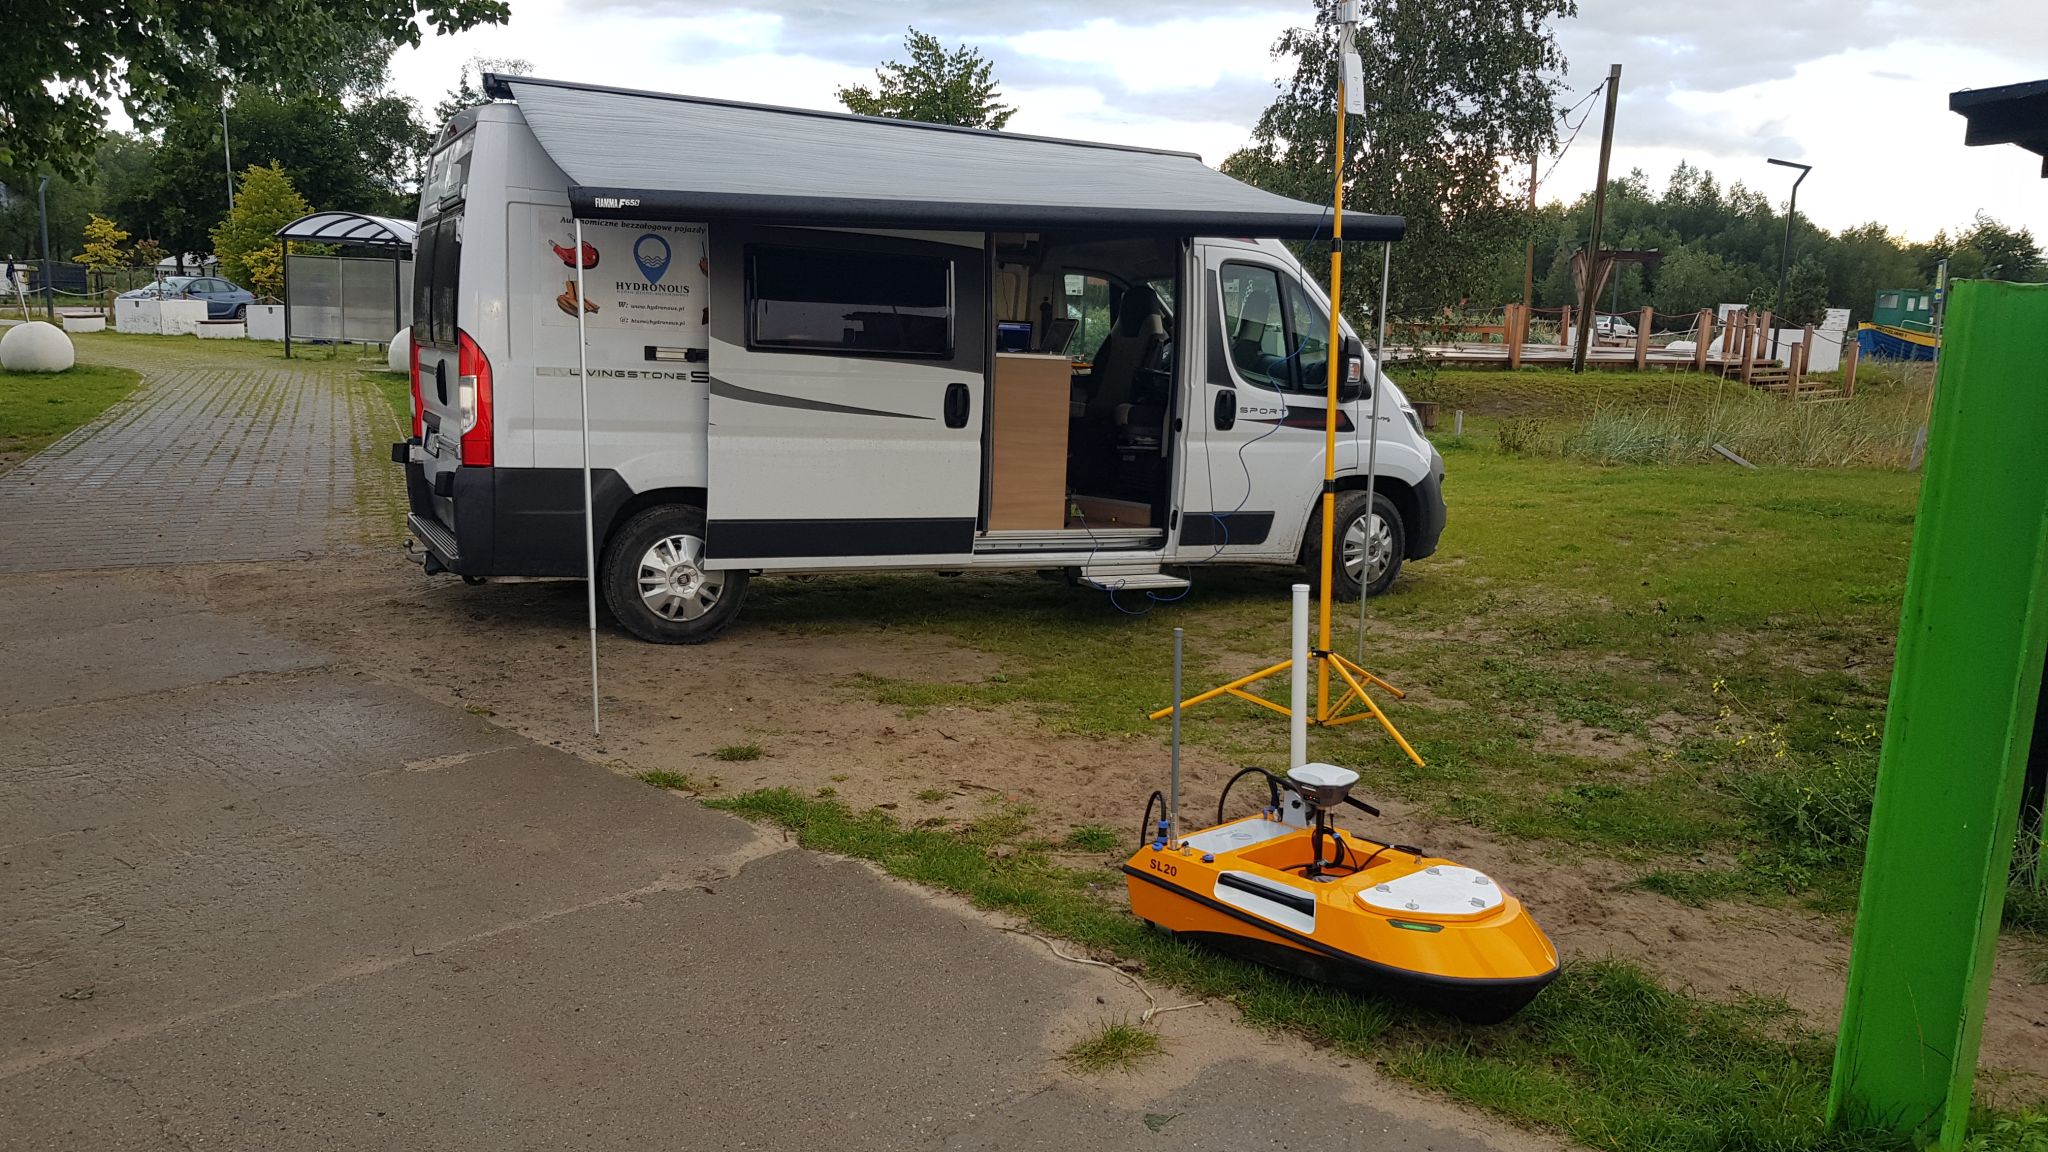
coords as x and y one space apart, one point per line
217 456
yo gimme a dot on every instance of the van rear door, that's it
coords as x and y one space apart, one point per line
847 398
436 279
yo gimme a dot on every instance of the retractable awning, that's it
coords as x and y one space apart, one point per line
2009 114
649 156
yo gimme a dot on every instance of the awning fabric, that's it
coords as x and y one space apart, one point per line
649 156
351 228
2009 114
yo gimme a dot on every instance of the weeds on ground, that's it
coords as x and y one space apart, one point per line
396 388
737 753
1094 838
934 795
674 781
1115 1046
1806 797
2025 1132
1868 432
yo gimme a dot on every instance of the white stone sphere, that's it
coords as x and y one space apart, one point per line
398 355
36 347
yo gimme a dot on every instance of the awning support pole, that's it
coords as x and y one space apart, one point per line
589 517
284 264
1372 445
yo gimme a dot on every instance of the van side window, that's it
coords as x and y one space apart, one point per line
1087 303
1309 332
835 300
1254 327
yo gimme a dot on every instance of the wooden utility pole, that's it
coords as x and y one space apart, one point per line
1529 256
1590 298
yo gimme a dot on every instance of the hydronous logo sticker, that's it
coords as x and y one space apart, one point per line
651 253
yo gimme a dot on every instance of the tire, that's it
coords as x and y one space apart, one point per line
1351 537
241 312
653 585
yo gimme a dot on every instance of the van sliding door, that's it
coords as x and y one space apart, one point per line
847 384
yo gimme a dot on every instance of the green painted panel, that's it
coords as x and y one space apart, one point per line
1971 640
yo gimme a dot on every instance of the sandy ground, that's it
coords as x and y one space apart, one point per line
515 652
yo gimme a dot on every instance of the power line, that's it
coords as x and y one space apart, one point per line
1566 114
1584 102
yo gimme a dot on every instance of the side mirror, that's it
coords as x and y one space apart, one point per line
1351 383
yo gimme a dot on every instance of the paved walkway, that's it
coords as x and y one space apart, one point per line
219 455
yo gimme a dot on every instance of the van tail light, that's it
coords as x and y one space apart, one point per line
419 407
473 400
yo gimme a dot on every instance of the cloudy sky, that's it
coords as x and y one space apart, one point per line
1857 89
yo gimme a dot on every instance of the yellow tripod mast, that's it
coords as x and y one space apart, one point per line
1325 660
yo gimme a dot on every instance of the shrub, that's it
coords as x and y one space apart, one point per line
1518 435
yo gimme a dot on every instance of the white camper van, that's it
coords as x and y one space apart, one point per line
819 342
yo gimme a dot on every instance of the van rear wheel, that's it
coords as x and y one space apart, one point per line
655 582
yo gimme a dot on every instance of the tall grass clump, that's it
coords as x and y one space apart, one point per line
1866 432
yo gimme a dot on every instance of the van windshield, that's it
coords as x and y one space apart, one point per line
436 279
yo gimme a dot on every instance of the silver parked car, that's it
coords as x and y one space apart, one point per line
224 300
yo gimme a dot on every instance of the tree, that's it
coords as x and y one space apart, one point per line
363 156
1453 90
60 59
147 253
2009 253
265 202
1806 292
102 252
469 95
1689 280
936 87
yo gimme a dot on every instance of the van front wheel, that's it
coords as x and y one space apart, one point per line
656 584
1369 548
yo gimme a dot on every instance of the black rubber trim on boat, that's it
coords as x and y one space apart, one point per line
1302 902
1393 975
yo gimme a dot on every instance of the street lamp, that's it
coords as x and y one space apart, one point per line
1785 252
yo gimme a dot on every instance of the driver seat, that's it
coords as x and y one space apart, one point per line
1131 346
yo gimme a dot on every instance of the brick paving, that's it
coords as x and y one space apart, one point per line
218 455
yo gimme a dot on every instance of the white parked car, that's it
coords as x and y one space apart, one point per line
1613 326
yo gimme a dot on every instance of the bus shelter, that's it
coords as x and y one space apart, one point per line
362 295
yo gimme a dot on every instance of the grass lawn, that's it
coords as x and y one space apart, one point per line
39 408
396 388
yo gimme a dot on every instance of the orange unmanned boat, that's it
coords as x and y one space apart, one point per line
1289 888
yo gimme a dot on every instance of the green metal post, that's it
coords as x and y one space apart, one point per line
1972 636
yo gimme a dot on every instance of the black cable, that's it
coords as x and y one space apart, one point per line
1148 831
1272 788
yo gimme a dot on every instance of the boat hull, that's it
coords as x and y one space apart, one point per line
1884 342
1418 928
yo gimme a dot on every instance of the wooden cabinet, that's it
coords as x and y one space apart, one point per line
1028 433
